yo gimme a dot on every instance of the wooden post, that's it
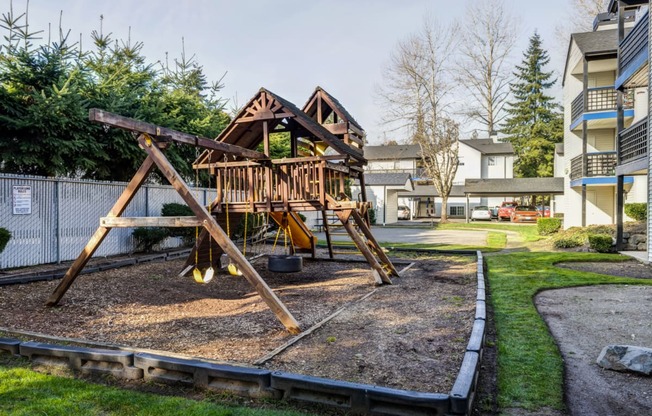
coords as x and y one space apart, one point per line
378 273
327 232
252 276
118 208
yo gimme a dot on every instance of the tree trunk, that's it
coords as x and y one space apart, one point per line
444 209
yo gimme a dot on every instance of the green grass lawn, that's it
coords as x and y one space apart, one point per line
530 368
527 232
26 392
496 241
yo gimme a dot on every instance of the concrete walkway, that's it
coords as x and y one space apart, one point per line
405 234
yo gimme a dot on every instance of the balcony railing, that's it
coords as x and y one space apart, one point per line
633 142
634 43
599 99
598 164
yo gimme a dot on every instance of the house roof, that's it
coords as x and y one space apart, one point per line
386 179
429 191
402 151
514 186
489 147
601 41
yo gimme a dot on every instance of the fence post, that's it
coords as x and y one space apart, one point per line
146 200
57 197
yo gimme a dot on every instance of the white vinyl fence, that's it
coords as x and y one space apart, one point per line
52 219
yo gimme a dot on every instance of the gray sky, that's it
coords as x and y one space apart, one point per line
287 46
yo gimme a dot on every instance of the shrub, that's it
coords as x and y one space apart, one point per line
568 240
547 226
600 242
148 237
636 211
372 215
174 209
5 236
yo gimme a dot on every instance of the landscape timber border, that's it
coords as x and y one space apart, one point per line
131 364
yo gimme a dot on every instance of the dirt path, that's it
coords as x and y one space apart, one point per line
583 320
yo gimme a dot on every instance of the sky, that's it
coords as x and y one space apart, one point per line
287 46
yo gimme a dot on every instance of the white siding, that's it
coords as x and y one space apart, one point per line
601 140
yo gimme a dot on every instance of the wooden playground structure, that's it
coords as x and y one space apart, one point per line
326 153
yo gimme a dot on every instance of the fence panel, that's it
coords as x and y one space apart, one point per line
65 213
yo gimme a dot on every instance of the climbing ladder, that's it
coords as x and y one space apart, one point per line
352 217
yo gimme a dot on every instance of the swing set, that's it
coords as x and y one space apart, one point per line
326 154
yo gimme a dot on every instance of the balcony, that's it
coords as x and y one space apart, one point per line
598 164
633 56
633 145
601 107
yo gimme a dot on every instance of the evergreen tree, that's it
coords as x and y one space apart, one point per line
534 123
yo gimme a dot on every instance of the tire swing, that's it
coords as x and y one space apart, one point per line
284 263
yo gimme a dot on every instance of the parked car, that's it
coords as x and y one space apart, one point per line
544 210
494 212
524 213
481 212
403 212
506 209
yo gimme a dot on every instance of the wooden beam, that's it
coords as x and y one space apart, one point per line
336 128
132 222
118 208
372 240
379 275
263 115
126 123
220 237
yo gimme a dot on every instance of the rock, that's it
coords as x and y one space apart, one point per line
630 247
641 247
626 236
636 239
626 358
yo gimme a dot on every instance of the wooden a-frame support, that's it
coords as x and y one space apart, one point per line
369 249
156 157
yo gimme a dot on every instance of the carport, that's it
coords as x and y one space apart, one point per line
512 187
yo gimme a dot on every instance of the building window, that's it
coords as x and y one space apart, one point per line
456 211
491 161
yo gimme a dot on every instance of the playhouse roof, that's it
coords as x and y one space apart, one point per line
247 128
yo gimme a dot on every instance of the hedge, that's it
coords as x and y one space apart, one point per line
547 226
600 242
5 236
636 211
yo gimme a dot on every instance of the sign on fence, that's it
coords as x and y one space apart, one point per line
22 200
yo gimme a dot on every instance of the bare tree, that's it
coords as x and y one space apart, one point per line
580 19
439 151
416 93
486 46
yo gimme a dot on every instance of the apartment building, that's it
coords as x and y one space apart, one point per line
478 159
599 108
633 73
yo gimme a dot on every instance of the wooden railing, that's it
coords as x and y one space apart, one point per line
599 99
300 184
633 142
634 43
597 164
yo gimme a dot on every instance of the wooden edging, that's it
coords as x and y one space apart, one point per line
132 364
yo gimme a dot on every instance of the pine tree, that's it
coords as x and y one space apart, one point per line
534 123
